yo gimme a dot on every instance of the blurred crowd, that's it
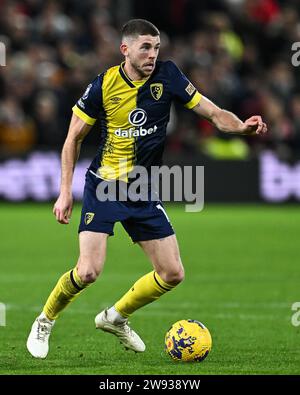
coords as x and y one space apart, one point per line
238 53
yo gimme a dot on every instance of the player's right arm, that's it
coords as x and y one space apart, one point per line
77 131
85 114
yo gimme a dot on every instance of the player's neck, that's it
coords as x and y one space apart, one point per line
132 74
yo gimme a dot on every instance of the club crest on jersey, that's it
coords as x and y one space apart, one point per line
88 218
156 90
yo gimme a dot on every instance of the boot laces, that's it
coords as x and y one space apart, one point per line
126 328
43 330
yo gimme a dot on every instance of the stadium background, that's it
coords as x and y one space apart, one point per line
241 258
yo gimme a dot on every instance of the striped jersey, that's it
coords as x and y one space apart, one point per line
133 116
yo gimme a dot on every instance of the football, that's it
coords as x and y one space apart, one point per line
187 341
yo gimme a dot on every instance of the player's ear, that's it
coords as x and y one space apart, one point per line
124 49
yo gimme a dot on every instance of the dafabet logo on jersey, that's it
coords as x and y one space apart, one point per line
156 90
137 118
88 218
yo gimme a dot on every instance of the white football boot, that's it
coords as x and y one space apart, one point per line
127 336
38 339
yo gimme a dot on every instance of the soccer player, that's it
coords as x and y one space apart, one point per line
132 102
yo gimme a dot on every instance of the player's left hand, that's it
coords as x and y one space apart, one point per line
254 125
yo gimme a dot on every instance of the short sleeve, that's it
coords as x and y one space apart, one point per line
89 105
182 89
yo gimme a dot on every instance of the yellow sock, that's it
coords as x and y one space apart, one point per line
65 291
147 289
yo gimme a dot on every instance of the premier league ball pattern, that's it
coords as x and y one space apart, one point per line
188 340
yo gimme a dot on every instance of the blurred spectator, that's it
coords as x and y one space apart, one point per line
281 80
279 123
17 132
47 120
262 11
295 115
236 52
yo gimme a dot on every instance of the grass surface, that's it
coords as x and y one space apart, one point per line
242 277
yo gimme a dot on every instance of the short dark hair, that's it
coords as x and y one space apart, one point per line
139 27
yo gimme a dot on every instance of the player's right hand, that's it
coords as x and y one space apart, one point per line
63 208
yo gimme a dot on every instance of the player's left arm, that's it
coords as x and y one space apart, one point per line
228 122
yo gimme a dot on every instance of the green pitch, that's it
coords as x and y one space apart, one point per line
242 277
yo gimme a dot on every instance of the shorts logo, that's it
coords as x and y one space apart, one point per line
156 90
88 218
137 117
190 89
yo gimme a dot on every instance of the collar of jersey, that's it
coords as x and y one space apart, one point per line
130 82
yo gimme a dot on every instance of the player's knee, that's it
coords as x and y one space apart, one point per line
89 268
174 277
88 277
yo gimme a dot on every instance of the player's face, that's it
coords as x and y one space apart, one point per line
142 53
